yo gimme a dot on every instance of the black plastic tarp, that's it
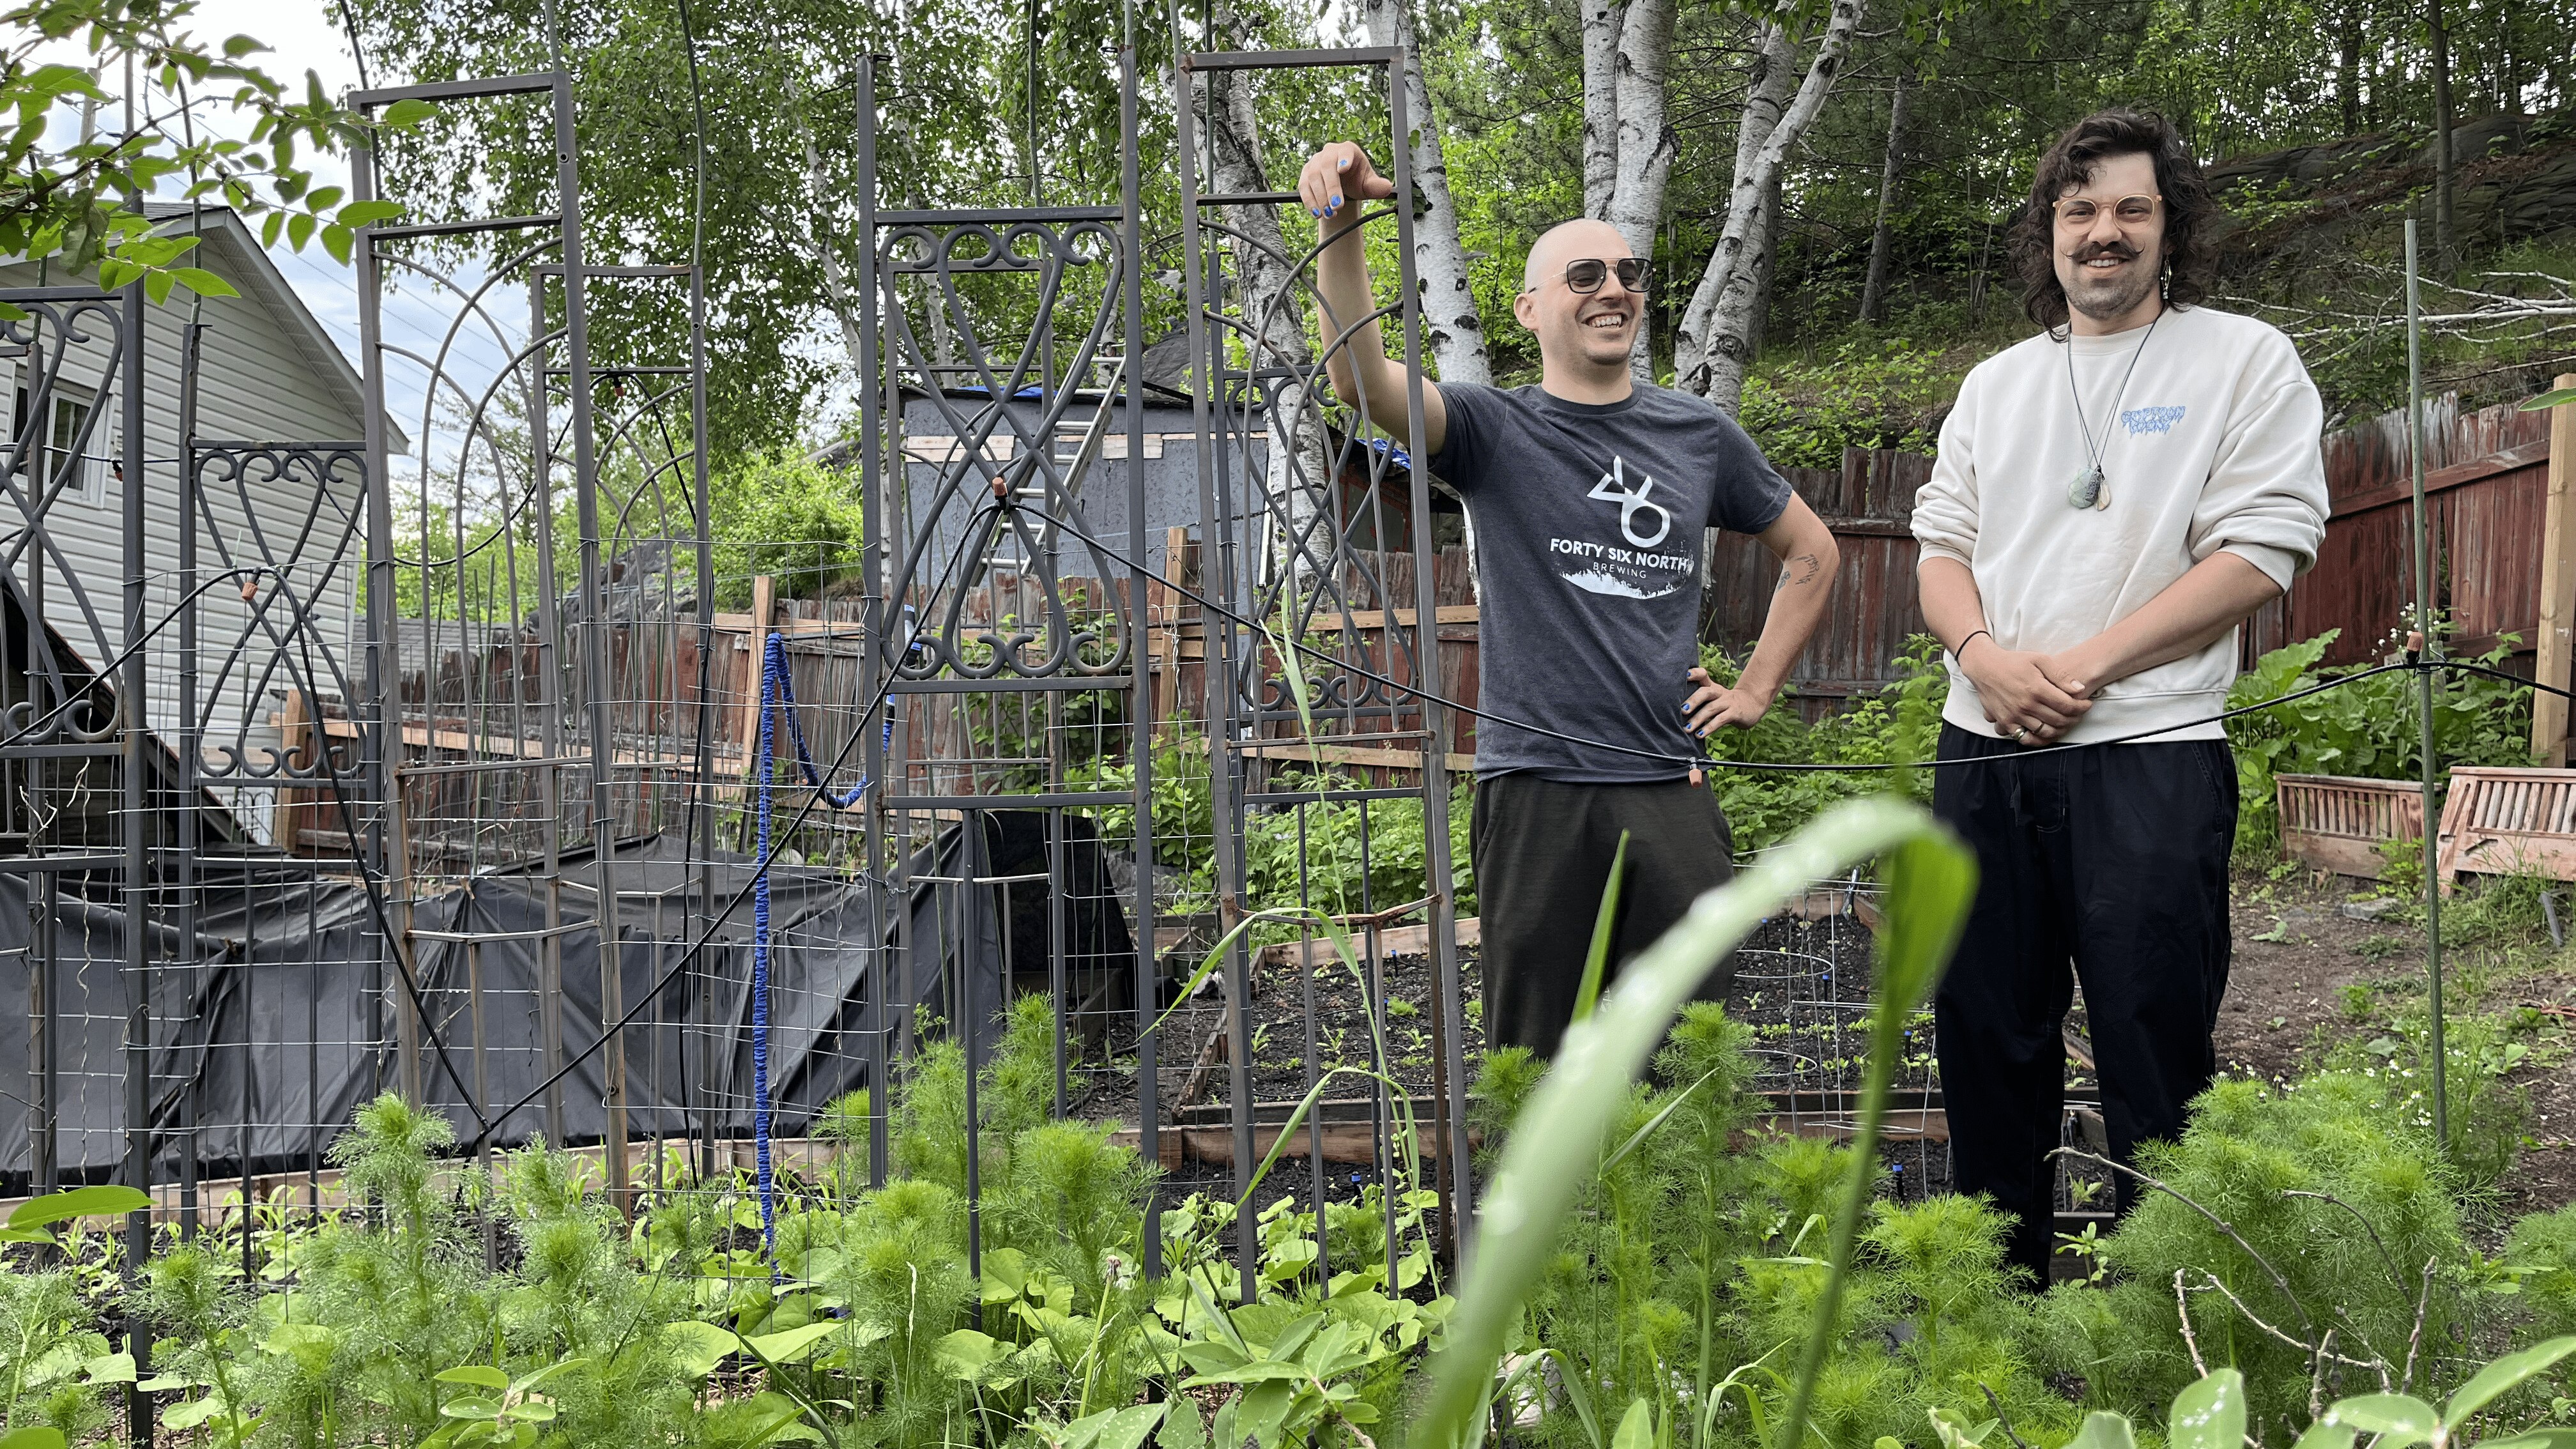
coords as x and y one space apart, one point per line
283 1023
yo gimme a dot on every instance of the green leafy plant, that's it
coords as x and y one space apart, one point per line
2370 727
74 200
1894 727
1569 1116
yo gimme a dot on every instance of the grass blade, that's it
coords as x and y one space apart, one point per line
1571 1112
1931 879
1596 961
1216 954
1642 1133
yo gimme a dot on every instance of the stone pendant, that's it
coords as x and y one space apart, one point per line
2086 490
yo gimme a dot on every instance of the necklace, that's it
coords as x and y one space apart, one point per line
2087 490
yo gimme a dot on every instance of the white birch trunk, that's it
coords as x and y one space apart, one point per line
1451 330
1602 20
1646 144
1294 476
1715 343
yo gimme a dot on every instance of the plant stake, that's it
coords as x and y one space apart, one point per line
2431 646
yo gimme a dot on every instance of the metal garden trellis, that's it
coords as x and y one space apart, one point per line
1288 543
399 777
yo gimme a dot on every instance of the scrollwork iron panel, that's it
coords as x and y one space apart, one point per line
998 492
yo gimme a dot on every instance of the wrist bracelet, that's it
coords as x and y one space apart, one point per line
1961 652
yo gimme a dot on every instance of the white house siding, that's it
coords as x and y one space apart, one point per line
265 374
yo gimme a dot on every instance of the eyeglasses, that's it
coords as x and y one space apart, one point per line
2077 212
1587 274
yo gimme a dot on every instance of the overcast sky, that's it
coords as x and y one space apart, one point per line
302 36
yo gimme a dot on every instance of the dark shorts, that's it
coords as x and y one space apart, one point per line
1542 852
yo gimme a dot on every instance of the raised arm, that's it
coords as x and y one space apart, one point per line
1337 182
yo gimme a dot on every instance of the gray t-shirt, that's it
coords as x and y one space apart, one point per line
1588 528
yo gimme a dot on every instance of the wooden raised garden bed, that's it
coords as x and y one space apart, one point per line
2506 821
2337 822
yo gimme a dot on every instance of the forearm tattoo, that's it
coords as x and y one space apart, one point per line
1799 571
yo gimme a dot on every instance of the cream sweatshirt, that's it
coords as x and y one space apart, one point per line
2213 446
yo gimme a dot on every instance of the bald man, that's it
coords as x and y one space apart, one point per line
1589 493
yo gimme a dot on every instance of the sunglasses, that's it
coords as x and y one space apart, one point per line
2077 212
1588 274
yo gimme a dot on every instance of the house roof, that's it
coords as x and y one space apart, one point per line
246 264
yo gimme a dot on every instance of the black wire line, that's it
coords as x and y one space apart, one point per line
324 754
971 534
99 676
2467 668
1702 762
301 668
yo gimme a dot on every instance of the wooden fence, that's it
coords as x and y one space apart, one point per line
1869 505
2486 490
2486 494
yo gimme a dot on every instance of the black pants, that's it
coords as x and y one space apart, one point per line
2113 860
1542 851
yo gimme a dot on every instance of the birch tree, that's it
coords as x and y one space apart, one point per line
1273 311
1714 344
1451 330
1628 147
1628 151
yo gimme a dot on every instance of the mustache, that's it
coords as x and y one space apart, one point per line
2121 250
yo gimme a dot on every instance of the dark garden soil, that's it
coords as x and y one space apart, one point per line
2308 977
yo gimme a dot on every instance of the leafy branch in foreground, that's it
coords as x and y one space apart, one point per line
81 201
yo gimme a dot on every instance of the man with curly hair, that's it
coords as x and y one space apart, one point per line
2113 496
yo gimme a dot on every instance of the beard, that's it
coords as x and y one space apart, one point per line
2106 299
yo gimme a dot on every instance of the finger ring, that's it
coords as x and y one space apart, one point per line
2019 731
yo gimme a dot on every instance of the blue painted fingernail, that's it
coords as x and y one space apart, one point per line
1343 165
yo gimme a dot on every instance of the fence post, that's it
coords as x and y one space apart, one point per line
2557 589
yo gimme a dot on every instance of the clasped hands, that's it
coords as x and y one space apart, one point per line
2033 698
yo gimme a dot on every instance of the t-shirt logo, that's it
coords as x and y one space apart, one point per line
1613 488
2151 420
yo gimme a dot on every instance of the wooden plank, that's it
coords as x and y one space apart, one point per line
1398 941
2557 588
1163 643
532 750
764 611
1404 618
2338 853
741 624
295 731
1349 755
2440 480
